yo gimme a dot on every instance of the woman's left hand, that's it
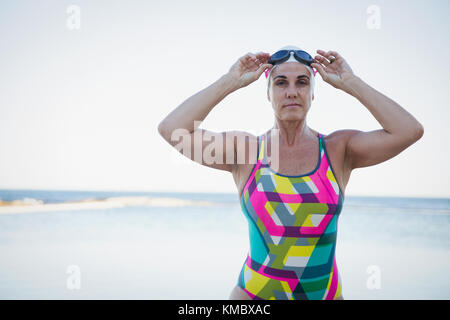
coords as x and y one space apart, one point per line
336 72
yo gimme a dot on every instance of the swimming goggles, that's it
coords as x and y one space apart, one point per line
284 55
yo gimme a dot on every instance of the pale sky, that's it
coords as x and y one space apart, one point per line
79 108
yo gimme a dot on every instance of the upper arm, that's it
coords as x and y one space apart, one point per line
212 149
364 149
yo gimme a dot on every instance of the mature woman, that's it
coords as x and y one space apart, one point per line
292 198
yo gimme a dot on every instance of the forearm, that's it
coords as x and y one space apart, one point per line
197 107
392 117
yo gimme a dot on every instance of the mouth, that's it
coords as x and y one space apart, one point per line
292 105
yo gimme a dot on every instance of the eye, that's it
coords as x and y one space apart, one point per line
281 82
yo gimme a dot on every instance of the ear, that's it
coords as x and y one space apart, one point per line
313 96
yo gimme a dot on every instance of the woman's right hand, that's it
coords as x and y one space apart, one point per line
249 68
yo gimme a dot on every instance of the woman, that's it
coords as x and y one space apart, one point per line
292 204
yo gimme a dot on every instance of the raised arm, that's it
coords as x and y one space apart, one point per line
180 127
400 128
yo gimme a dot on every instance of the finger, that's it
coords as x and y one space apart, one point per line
331 57
255 59
322 60
267 71
331 54
245 59
324 55
252 56
245 56
263 56
262 68
335 54
321 52
248 57
252 61
328 54
319 68
324 67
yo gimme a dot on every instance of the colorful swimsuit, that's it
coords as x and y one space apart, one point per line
293 226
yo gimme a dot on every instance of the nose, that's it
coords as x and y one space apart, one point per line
291 92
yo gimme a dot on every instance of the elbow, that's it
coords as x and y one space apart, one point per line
162 130
412 135
419 131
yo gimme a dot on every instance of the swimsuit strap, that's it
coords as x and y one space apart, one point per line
262 149
320 143
260 144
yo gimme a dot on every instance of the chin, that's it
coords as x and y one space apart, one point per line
293 116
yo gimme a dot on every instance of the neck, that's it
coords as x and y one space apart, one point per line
292 132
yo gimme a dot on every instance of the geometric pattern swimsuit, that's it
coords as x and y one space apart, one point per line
292 227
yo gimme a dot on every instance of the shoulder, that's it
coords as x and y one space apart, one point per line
340 138
245 144
336 144
246 151
243 137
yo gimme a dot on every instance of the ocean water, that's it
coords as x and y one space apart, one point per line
192 246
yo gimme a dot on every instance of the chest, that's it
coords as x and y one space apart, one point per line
297 162
293 162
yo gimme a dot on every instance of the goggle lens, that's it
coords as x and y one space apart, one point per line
283 55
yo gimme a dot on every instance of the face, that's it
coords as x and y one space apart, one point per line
290 84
